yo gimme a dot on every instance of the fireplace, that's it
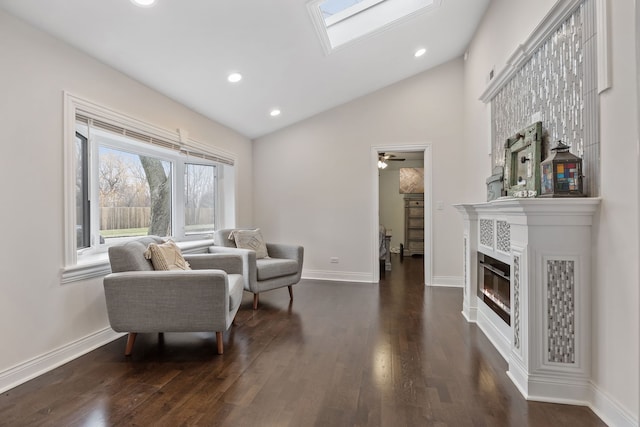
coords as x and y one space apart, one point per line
494 285
545 248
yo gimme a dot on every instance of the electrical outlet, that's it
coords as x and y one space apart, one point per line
334 260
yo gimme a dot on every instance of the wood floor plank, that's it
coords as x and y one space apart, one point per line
342 354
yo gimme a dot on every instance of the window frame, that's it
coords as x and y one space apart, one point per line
83 263
86 199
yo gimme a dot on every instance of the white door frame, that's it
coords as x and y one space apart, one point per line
428 211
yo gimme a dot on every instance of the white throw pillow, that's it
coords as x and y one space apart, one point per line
251 239
166 256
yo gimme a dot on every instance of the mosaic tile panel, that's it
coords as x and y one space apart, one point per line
486 232
559 82
503 242
561 311
516 302
464 267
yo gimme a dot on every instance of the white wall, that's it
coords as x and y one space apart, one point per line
38 315
392 201
312 180
615 237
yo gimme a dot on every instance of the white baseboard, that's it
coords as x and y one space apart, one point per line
448 281
610 411
470 314
30 369
556 389
338 276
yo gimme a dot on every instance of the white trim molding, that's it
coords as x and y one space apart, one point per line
556 16
37 366
448 281
428 208
602 45
609 410
337 276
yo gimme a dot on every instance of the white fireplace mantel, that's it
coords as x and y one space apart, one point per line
547 243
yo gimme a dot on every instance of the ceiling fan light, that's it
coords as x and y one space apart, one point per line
382 164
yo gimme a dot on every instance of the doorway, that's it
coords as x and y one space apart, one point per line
415 156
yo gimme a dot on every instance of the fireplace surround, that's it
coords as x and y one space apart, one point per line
546 244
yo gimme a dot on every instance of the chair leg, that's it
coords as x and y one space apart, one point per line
291 292
255 301
219 342
130 340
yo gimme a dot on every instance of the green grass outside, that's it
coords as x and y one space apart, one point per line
133 232
125 232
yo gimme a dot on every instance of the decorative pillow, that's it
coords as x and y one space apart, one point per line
250 239
166 256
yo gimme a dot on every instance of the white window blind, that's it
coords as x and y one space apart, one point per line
148 136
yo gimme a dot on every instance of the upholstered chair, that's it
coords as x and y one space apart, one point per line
141 299
282 267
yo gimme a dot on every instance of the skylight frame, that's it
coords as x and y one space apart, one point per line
335 36
349 11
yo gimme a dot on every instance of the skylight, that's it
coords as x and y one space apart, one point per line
341 21
337 10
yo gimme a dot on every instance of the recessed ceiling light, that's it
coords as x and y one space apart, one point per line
275 112
234 77
420 52
143 3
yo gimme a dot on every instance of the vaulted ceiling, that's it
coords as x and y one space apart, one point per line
186 49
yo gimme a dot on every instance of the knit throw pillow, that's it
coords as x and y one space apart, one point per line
166 256
250 239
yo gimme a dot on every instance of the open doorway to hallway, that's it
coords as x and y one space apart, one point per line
402 192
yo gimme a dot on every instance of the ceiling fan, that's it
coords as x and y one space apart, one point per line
383 158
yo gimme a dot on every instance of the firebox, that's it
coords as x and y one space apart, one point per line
494 285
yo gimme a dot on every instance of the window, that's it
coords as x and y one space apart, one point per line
135 194
200 196
130 179
82 192
337 10
339 22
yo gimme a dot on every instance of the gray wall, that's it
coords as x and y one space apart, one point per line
313 179
41 318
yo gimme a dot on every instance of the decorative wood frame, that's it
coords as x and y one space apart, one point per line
523 149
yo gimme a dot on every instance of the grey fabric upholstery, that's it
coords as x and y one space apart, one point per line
130 256
282 268
203 299
271 268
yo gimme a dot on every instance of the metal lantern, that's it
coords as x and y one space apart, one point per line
561 173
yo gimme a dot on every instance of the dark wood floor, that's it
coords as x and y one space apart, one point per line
343 354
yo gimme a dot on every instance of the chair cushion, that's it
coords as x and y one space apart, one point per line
166 256
250 239
130 256
270 268
236 287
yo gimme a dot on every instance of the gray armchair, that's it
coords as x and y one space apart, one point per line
282 268
140 299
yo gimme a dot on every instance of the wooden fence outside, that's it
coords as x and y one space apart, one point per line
140 217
